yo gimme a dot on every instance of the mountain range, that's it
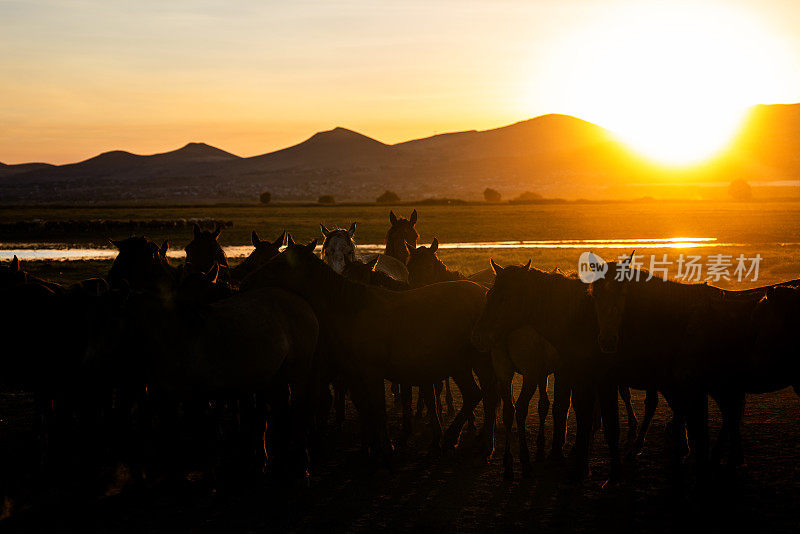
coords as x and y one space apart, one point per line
553 155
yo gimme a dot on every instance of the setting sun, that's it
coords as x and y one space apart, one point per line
672 80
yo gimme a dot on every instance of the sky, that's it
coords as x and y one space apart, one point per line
83 77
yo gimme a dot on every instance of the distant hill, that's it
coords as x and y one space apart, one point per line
554 155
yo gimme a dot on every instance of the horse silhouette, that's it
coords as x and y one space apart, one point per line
203 251
418 337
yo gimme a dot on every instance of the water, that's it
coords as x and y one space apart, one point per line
52 252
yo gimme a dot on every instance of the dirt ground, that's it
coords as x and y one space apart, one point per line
454 492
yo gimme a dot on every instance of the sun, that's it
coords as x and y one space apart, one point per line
672 80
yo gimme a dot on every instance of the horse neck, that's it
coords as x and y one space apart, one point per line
663 304
562 314
336 297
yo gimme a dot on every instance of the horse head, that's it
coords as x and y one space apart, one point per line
140 264
506 307
204 249
424 267
401 232
263 251
609 294
338 247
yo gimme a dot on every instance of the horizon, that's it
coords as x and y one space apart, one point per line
89 77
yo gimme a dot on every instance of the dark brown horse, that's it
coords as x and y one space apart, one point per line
365 273
141 265
203 251
415 337
401 232
263 251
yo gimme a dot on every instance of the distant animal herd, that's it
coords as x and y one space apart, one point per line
259 359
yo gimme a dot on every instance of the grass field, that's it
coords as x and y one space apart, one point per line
771 229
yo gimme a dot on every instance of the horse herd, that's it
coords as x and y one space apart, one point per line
243 358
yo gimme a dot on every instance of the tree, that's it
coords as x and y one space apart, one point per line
388 197
740 190
265 197
491 195
326 199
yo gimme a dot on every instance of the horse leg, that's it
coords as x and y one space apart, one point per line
696 410
420 403
731 404
562 395
405 393
505 373
523 401
448 398
470 394
609 409
650 405
429 392
396 395
339 404
633 423
543 407
437 396
377 398
488 382
583 402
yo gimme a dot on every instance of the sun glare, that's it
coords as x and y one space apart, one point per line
672 80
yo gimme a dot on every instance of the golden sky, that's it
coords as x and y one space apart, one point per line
83 77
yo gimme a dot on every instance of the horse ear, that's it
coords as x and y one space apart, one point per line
630 258
213 273
196 230
115 244
290 240
496 268
409 247
311 246
325 231
413 218
164 248
255 238
15 264
528 266
352 230
392 218
217 231
435 245
373 263
280 241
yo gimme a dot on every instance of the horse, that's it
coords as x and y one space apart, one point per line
263 251
141 265
203 251
417 337
193 345
338 247
400 232
425 267
709 326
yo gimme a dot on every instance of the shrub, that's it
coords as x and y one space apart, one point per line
326 199
491 195
265 197
388 197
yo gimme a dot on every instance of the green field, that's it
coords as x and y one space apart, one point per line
771 229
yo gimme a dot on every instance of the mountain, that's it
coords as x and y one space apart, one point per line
554 155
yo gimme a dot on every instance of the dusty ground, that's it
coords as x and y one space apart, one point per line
457 493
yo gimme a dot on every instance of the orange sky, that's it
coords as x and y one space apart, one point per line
87 76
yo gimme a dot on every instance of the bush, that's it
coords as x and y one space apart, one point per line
528 196
491 195
265 197
388 197
326 199
740 190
